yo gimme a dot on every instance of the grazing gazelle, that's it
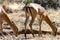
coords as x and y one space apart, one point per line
3 16
33 10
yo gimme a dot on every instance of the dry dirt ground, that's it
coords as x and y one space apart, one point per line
19 18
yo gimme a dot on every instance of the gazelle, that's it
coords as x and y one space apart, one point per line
33 10
3 16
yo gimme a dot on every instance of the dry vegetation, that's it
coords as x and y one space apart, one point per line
19 18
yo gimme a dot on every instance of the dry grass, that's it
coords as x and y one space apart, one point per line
19 19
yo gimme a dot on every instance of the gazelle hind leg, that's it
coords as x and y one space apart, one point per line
31 22
26 21
14 28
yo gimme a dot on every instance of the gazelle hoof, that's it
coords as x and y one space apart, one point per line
32 33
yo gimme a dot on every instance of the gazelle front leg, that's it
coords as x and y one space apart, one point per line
40 19
40 22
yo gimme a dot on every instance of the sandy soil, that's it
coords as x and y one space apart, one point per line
19 18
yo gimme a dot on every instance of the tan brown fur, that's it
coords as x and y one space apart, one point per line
33 13
3 16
